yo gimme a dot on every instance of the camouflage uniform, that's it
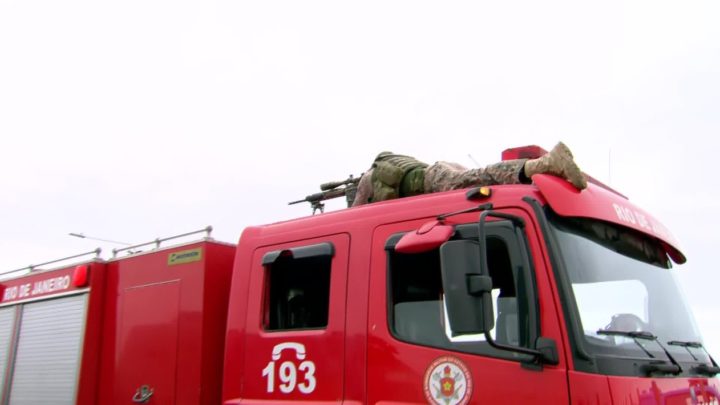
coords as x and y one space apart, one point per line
444 176
393 176
415 177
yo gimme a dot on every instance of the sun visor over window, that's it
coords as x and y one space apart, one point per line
599 203
321 249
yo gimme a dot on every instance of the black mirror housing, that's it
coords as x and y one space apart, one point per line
467 290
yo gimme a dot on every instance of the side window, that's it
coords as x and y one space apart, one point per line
297 288
417 309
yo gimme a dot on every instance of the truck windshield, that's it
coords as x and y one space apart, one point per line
621 281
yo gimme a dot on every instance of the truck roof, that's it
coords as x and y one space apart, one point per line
596 202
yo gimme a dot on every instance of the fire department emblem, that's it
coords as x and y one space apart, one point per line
448 382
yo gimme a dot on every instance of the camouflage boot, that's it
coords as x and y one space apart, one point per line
558 162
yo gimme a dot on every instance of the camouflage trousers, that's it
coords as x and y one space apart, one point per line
444 176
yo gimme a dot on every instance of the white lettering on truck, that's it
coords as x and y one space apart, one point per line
10 293
50 285
41 287
24 291
288 371
626 214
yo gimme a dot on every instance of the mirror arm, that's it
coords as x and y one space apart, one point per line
536 353
478 284
546 355
538 356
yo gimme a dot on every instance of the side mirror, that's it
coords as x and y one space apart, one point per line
468 286
428 237
466 289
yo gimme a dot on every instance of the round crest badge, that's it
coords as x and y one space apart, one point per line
448 381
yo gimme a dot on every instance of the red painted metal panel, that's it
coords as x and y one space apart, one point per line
148 337
91 357
356 342
596 202
384 369
523 152
218 270
399 372
589 389
314 358
106 378
664 391
552 322
41 285
234 359
201 273
427 237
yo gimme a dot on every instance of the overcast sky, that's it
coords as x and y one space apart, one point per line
141 119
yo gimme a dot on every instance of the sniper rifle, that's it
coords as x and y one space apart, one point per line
330 190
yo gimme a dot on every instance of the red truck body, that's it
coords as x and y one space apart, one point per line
147 319
345 307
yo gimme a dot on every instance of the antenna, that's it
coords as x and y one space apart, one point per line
609 166
83 236
477 165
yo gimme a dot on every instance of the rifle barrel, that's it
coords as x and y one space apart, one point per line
332 189
322 196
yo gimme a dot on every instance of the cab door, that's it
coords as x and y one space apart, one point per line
414 358
295 325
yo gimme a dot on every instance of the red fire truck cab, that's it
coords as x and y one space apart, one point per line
502 294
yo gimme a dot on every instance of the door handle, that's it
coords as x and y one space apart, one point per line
143 394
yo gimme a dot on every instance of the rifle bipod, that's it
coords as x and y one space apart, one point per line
330 190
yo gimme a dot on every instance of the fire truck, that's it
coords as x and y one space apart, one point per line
528 293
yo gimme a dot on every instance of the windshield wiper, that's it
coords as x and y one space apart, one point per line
641 334
634 335
652 367
709 370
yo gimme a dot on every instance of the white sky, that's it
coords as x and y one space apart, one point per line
141 119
